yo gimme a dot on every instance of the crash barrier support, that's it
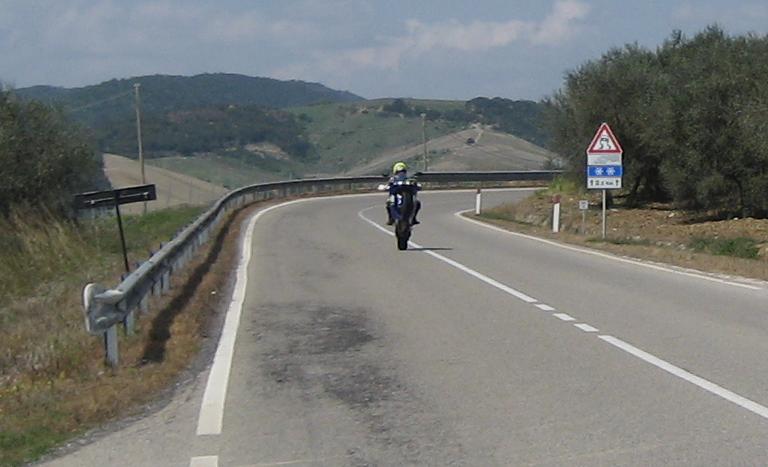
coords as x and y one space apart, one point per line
106 308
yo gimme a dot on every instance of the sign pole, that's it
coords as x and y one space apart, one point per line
127 195
603 214
122 234
138 138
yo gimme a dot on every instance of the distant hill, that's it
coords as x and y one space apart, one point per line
355 136
164 93
233 129
520 118
209 113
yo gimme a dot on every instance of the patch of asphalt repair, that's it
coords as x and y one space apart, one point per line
334 353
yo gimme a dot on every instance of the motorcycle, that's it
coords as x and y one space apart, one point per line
402 208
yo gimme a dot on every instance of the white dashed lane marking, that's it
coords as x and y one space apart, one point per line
702 383
204 461
586 327
564 316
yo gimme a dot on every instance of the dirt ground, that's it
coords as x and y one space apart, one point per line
658 233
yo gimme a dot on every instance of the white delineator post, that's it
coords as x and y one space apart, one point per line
478 201
556 214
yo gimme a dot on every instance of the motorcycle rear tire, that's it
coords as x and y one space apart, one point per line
403 234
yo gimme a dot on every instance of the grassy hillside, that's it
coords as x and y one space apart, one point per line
348 135
475 148
367 137
220 170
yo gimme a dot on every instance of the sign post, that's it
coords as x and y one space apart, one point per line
604 165
131 194
583 207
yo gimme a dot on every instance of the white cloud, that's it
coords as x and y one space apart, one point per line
559 25
477 36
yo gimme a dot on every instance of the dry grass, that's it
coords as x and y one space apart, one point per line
53 384
660 233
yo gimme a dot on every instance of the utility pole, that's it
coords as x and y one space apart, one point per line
424 137
136 87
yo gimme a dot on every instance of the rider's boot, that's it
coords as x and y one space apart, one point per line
415 214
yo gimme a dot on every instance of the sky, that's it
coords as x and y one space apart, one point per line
440 49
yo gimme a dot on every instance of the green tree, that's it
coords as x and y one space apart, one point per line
619 89
716 96
691 117
44 158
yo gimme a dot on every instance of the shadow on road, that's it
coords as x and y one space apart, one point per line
426 248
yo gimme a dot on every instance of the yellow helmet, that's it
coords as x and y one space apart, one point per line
398 167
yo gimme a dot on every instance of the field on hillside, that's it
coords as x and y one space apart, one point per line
173 187
218 170
477 148
347 135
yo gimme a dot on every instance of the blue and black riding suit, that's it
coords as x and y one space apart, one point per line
400 177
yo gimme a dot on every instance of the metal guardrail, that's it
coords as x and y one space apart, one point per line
105 308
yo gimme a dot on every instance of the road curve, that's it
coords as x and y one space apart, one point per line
476 347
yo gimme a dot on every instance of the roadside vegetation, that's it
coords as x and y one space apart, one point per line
53 384
692 117
660 232
44 158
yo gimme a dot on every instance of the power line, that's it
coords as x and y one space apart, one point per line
107 99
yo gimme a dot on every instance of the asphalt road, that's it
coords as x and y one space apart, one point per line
476 347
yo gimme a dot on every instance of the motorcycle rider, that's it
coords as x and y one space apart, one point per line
399 174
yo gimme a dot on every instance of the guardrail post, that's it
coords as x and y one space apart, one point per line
157 286
129 323
166 282
112 355
144 304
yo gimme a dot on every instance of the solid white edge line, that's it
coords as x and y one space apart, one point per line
211 415
586 327
709 386
697 275
204 461
457 265
564 316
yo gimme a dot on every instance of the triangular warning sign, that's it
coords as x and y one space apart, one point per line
604 142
